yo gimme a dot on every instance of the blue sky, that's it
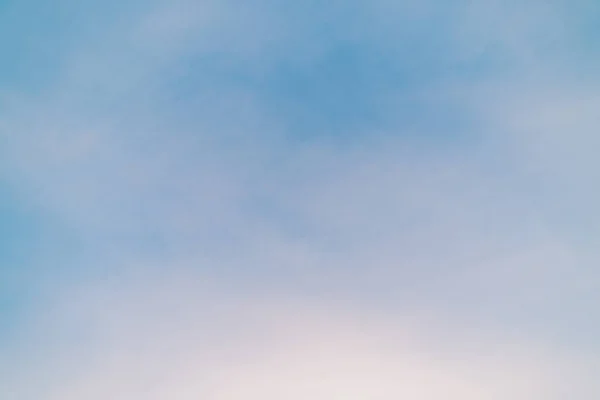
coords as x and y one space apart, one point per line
268 199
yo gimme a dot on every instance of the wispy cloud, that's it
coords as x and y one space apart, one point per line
267 199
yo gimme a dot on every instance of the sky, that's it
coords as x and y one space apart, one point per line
268 199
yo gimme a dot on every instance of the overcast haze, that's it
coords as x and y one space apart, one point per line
270 200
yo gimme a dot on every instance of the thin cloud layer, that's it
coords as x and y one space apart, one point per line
181 339
264 200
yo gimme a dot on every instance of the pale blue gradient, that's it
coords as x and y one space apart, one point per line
424 160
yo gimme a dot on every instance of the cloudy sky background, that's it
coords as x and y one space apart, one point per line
268 199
